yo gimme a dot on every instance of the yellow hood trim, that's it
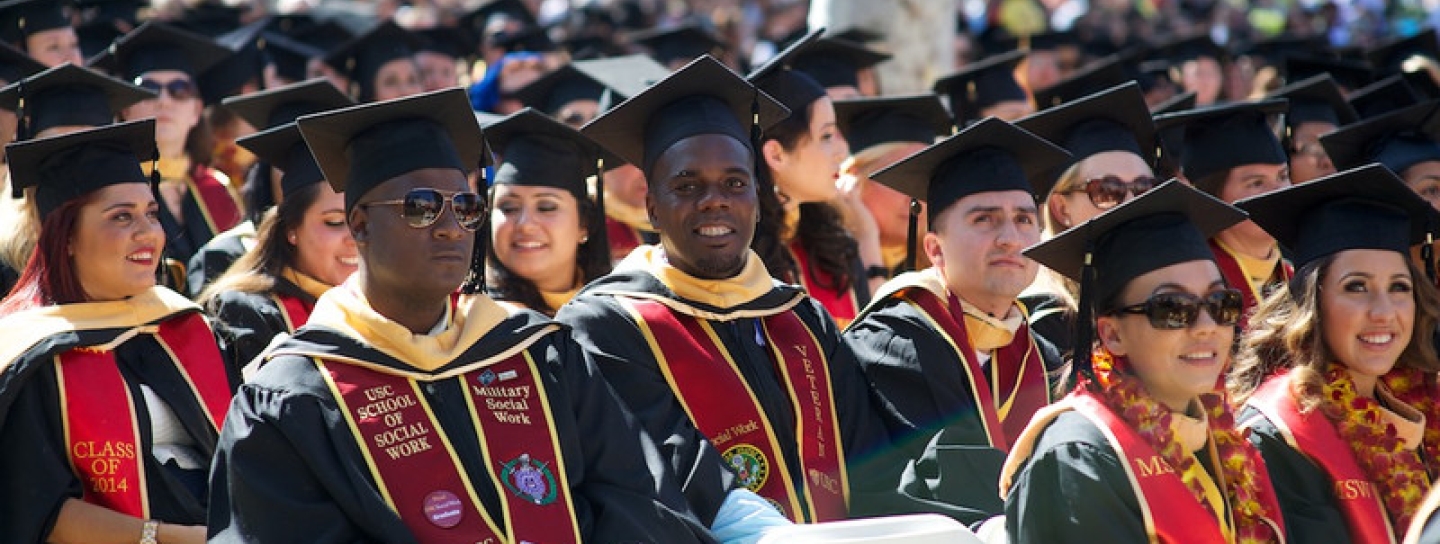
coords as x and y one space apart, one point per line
344 309
21 331
309 285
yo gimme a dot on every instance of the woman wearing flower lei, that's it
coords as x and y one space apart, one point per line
1346 452
1145 448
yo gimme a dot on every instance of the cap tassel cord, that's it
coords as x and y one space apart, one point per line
1427 254
475 284
912 231
602 237
1085 319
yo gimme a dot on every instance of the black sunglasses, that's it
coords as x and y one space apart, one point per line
423 207
1181 310
1108 191
179 89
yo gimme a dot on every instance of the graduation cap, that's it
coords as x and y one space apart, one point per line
1348 74
159 46
835 63
867 122
283 147
246 62
127 11
1116 119
69 166
95 36
360 147
1152 73
290 56
274 107
534 39
1214 139
211 19
1041 41
361 58
1165 226
1399 139
1422 84
16 65
325 36
1389 57
551 92
981 85
1315 100
1360 208
1095 77
1177 103
68 95
448 41
535 150
1182 50
703 97
678 44
292 24
856 34
20 18
623 77
779 78
1386 95
1274 51
479 18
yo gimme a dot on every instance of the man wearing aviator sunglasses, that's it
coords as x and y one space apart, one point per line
397 388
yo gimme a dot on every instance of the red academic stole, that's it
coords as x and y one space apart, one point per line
1314 435
1235 277
1169 508
721 404
217 204
102 430
294 311
415 467
1017 371
841 304
623 238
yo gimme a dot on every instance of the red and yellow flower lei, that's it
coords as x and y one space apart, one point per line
1125 394
1395 470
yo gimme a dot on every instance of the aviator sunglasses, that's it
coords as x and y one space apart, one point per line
1109 191
1181 310
179 89
422 207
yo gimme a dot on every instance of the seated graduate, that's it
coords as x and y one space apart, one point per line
1145 448
698 339
112 389
1338 372
264 189
948 349
401 413
302 248
547 237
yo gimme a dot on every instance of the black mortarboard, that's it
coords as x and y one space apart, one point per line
1386 95
534 39
991 155
1111 120
361 58
1095 77
1422 83
1177 103
868 122
68 95
290 56
292 24
1399 139
1152 74
1360 208
325 36
856 34
1316 99
16 65
981 85
1182 50
682 43
65 167
1165 226
360 147
1388 57
623 77
536 150
1348 74
561 86
833 62
246 62
95 36
211 18
274 107
18 18
282 147
779 78
1042 41
1214 139
479 18
1274 51
703 97
159 46
127 11
449 41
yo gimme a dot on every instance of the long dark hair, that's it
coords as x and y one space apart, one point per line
257 191
49 276
255 272
821 230
593 259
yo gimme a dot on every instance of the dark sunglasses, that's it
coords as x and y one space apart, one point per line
422 207
1181 310
1109 191
179 89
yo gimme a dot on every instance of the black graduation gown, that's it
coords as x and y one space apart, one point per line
288 468
35 474
250 321
1305 492
933 421
607 331
215 257
1052 320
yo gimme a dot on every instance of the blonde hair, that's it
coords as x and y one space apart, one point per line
19 228
1068 181
859 167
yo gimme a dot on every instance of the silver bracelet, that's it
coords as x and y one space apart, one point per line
149 531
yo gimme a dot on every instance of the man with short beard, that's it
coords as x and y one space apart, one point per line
700 342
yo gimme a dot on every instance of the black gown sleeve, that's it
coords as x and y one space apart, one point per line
1073 489
35 477
1304 492
247 322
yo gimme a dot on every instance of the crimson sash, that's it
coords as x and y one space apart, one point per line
722 405
1014 389
294 311
102 431
841 304
414 464
1235 277
217 204
623 238
1314 435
